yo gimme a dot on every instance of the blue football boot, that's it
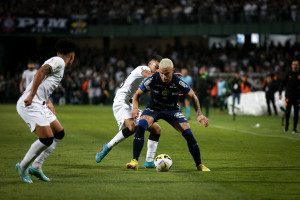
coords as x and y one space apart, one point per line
102 153
38 173
23 174
149 164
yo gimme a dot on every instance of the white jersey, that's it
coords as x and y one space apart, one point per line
131 84
50 82
28 76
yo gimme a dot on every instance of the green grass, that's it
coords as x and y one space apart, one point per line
246 162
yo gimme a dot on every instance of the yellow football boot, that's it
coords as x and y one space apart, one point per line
133 164
202 167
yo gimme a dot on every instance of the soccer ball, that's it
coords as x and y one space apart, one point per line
163 163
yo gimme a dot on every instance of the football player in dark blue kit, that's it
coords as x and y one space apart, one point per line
165 87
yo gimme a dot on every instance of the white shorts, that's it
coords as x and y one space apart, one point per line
35 114
122 111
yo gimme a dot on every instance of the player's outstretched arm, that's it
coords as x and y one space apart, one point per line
135 103
38 78
201 118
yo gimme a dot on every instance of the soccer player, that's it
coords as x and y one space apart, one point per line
122 107
183 100
38 112
291 82
27 76
165 87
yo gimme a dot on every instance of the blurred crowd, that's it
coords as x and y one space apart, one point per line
158 11
96 74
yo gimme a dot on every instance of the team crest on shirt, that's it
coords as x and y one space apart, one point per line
165 93
55 63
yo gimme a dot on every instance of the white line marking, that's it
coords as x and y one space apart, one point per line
253 133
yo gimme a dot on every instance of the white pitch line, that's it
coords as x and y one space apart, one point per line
252 133
255 133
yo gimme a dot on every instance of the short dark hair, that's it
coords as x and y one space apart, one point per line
65 46
30 61
294 60
156 57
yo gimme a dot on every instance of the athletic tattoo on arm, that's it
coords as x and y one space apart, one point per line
46 69
196 104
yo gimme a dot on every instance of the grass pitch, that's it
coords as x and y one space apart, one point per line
246 162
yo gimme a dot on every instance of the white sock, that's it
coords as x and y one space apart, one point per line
151 150
118 138
38 162
36 148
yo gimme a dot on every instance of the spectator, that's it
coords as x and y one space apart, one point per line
203 86
222 90
270 87
235 87
27 76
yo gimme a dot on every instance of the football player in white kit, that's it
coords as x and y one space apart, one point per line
37 111
27 76
122 111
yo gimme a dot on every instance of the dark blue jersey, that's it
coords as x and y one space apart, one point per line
164 96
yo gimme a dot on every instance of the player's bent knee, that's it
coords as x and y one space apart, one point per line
157 130
127 132
132 128
154 137
46 141
143 123
59 135
187 132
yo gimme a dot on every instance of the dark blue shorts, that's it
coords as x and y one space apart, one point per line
170 116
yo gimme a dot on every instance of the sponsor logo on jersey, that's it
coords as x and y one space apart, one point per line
148 81
183 84
162 104
179 115
173 86
149 109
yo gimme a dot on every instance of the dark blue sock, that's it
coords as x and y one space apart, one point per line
138 141
193 145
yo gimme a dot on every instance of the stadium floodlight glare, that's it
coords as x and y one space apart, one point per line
240 38
254 38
